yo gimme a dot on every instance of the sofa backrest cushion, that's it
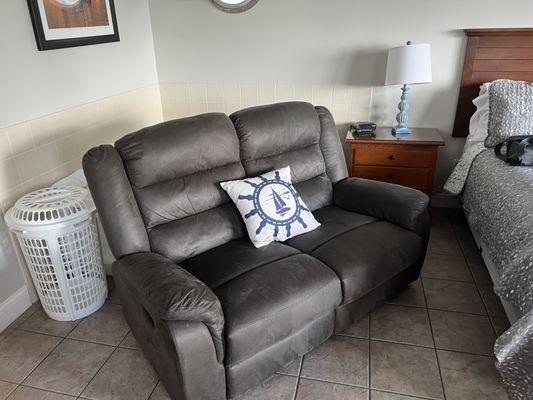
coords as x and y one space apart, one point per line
331 146
290 134
115 201
174 169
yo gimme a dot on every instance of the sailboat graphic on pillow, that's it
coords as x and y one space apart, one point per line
281 207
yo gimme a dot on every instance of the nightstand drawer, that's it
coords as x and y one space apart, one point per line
417 178
394 156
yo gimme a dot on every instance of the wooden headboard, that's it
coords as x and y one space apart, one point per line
491 54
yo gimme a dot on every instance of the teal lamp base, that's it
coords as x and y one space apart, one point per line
403 117
401 131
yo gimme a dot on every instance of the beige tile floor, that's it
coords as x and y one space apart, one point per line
433 341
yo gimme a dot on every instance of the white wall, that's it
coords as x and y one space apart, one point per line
333 42
34 83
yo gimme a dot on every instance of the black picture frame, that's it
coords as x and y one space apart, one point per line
44 44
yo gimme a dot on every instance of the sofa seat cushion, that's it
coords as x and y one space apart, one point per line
335 221
223 263
273 302
367 256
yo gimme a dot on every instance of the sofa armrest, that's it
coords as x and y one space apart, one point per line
170 293
397 204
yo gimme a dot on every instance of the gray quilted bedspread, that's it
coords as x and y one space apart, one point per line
498 201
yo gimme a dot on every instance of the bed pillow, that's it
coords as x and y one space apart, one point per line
511 110
479 123
271 208
475 142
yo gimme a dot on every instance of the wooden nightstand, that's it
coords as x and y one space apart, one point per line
408 160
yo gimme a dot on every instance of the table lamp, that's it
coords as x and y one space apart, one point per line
407 65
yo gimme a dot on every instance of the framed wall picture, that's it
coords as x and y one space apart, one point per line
69 23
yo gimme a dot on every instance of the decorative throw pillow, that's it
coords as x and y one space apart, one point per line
270 206
511 110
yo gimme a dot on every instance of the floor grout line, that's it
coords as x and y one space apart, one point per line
77 339
297 387
48 390
374 339
40 362
458 312
448 279
438 309
124 338
427 347
476 283
12 390
434 344
155 387
351 336
97 371
403 394
370 355
334 383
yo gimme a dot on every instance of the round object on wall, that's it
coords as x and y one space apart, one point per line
234 6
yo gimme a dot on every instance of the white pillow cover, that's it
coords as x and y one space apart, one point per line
271 208
479 123
475 142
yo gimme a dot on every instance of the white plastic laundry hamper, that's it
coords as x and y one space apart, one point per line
57 231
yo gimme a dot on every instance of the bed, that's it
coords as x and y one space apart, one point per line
497 198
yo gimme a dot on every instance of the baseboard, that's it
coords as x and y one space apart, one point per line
445 200
13 307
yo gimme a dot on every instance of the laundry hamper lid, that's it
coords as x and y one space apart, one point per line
50 206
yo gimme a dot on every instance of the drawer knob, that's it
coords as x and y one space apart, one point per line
392 158
390 176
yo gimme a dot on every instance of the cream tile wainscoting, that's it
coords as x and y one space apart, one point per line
347 103
36 153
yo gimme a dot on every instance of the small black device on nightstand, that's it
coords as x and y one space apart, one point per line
363 127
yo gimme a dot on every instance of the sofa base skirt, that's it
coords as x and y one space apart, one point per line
255 370
349 313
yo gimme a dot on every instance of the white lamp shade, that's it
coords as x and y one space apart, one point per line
409 64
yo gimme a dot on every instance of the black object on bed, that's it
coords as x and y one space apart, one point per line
519 150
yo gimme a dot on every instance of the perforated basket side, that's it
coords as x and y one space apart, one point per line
82 264
66 268
39 259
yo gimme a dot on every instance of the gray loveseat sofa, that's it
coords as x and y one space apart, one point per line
213 314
